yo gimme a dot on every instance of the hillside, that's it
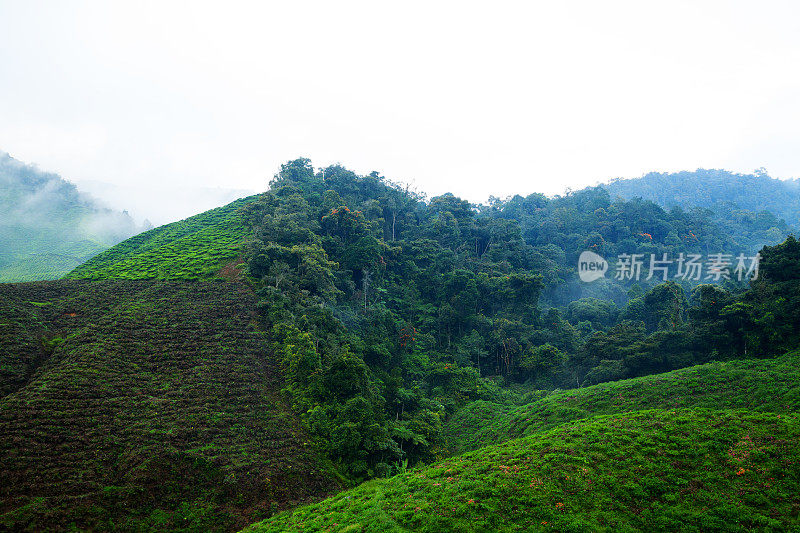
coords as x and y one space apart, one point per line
759 385
754 198
48 227
144 405
194 248
677 470
386 311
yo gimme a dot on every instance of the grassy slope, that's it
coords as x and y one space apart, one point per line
687 470
764 385
60 259
146 405
47 227
194 248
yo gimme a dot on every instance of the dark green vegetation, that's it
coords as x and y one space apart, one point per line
389 312
47 227
759 385
194 248
560 228
144 405
750 200
678 470
397 330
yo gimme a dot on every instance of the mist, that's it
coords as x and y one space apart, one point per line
158 204
47 221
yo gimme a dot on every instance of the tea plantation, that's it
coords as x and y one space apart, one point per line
760 385
656 470
144 406
194 248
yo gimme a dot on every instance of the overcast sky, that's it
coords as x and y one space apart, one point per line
477 99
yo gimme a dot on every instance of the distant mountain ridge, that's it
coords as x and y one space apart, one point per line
719 190
48 227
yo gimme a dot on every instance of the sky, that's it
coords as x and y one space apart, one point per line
478 99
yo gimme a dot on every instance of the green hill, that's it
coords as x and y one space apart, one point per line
677 470
760 385
753 200
144 405
194 248
48 227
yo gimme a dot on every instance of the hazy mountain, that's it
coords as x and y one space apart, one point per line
719 190
48 227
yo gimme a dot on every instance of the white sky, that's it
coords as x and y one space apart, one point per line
473 98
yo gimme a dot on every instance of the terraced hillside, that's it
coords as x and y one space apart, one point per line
143 405
48 227
53 265
761 385
657 470
194 248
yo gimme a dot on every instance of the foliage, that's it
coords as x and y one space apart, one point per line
767 385
450 292
754 201
559 229
384 319
677 470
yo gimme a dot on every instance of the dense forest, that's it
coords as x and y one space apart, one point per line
48 227
752 199
389 310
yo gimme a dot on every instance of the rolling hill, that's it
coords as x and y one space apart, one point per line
144 405
757 197
759 385
194 248
707 448
48 227
656 470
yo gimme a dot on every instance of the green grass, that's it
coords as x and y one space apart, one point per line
144 406
194 248
656 470
763 385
